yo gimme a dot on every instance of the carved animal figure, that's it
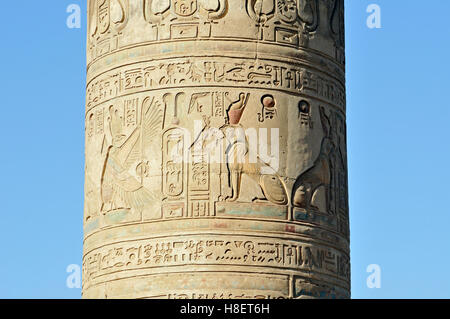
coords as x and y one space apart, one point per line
245 180
119 188
308 185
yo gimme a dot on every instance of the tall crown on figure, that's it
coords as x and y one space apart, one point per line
236 109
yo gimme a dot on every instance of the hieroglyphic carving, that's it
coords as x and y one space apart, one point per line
179 206
309 288
323 187
269 110
174 170
336 26
282 77
220 295
199 185
173 165
182 19
242 172
100 121
90 125
215 250
106 88
106 20
285 21
339 185
304 114
120 187
312 188
131 109
173 86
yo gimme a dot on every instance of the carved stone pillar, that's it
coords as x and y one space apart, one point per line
216 161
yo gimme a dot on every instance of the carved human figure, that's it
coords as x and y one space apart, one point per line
245 178
202 155
237 144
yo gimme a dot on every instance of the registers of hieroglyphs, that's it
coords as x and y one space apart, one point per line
216 156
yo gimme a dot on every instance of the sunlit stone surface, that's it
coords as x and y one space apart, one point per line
216 162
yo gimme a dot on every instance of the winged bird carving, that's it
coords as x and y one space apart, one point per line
120 187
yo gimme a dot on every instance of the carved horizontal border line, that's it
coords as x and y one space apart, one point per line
280 51
215 250
140 53
168 271
102 242
185 73
290 23
171 54
312 231
233 285
182 284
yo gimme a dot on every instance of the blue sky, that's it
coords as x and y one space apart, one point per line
398 131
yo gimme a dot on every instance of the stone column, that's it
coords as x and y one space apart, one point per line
216 161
